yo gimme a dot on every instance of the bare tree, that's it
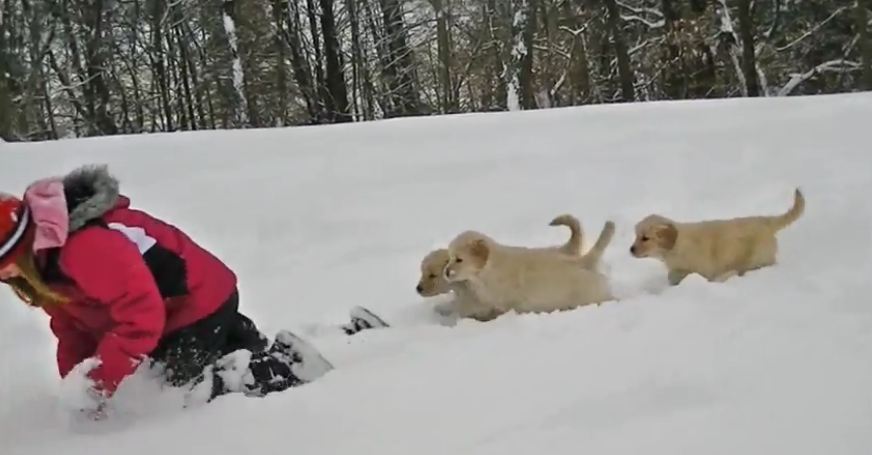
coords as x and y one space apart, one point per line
336 101
398 66
625 73
864 37
240 114
519 71
97 67
448 102
749 61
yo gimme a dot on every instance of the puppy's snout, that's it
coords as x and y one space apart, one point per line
419 289
633 250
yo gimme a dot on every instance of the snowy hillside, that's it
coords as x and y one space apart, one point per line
318 219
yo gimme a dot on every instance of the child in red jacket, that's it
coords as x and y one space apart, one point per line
121 286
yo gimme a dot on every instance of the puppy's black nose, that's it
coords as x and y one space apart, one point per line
633 249
418 289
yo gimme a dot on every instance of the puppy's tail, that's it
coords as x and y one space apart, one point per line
592 257
576 236
782 221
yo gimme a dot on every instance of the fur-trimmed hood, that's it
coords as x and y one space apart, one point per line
90 192
63 205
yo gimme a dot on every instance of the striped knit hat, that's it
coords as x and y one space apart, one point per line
15 229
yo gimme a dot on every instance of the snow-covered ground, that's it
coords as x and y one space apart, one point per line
318 219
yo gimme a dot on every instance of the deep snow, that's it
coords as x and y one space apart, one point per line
318 219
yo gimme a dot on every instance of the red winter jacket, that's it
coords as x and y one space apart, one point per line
130 278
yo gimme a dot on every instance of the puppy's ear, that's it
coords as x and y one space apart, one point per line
480 250
667 234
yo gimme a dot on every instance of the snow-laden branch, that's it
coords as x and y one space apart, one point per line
644 44
764 81
641 9
238 74
814 29
574 32
832 66
551 50
632 17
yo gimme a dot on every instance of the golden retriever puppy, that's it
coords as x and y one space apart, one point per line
432 281
525 280
715 249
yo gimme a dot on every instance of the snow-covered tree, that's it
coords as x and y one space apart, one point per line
88 68
240 114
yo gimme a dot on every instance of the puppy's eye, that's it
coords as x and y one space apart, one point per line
645 238
432 275
458 260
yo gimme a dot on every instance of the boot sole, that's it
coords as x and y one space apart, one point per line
371 318
313 365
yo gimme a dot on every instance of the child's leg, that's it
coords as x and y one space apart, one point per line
185 353
244 363
244 334
226 353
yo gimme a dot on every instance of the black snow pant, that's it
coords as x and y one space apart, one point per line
187 352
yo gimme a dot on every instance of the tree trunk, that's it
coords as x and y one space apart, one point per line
281 58
528 98
625 73
240 114
203 90
361 84
5 82
337 93
496 66
173 70
519 74
98 89
443 46
749 60
382 91
865 38
157 63
186 67
399 67
670 12
579 73
299 62
49 109
674 74
318 63
67 86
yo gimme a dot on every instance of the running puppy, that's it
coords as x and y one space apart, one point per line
465 304
715 249
508 278
432 281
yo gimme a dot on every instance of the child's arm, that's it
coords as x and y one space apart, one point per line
109 269
73 344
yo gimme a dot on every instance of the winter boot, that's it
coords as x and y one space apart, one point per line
363 319
289 362
307 364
